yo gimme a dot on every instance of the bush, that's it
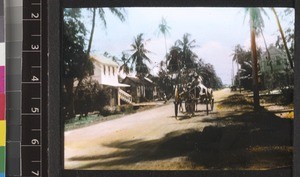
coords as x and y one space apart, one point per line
91 97
126 108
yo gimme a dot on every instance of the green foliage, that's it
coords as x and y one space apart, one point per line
208 73
74 54
139 57
183 61
91 97
256 19
163 27
126 108
73 58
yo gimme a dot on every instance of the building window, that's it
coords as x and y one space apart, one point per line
108 70
104 69
113 71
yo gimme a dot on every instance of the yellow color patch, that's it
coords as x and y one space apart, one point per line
2 132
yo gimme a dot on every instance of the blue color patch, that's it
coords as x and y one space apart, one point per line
1 174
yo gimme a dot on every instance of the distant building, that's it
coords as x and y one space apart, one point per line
274 70
141 88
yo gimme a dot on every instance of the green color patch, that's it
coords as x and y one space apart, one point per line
2 159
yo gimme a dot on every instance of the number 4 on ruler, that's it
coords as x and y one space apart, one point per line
34 79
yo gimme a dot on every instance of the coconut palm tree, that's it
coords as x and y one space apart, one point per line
164 29
119 12
139 57
256 24
174 59
125 68
283 39
238 56
187 55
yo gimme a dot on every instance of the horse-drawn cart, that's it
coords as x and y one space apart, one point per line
192 94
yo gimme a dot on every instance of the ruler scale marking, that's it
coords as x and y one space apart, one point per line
32 141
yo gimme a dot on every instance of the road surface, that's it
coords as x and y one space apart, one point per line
141 141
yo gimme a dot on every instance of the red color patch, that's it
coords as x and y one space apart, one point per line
2 106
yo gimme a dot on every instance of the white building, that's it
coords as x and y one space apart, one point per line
106 72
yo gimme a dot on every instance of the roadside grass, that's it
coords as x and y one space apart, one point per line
91 119
94 118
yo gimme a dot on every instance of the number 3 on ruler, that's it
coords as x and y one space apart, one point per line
35 47
37 173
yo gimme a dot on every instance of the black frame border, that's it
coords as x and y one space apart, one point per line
55 125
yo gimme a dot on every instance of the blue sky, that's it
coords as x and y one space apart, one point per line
216 31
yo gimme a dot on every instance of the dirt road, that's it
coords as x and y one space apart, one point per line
140 141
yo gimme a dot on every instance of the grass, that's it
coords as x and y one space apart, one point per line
91 119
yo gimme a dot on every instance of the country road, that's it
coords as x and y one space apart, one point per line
139 141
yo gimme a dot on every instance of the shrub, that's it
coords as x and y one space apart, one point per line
126 108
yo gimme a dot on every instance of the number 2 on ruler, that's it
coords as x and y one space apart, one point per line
37 173
37 15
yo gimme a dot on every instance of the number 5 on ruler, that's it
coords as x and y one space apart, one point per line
35 110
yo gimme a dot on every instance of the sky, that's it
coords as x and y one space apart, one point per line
216 31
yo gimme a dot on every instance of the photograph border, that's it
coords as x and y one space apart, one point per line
55 124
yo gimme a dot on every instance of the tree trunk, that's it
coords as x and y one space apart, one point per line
238 75
283 39
89 47
166 50
92 31
70 96
254 66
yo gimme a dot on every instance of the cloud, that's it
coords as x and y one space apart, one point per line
218 55
270 39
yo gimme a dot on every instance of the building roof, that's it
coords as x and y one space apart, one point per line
133 79
137 80
100 59
274 51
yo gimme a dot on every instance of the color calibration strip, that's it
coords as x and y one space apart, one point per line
13 41
2 93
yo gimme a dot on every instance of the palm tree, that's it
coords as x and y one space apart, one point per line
256 24
238 56
174 60
119 12
164 29
283 39
124 64
139 57
186 45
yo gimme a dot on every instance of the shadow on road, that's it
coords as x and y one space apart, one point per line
251 140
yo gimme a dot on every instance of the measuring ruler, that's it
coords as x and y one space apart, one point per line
34 89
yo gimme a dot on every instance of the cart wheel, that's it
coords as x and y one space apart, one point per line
206 101
176 109
212 104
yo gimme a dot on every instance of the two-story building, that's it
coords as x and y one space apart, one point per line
106 72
